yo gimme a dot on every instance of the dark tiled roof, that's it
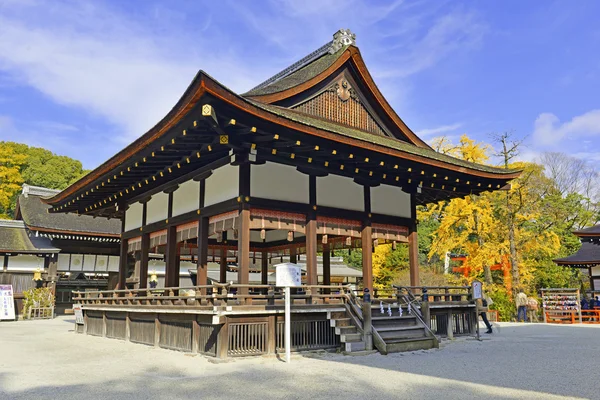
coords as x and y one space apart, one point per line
15 239
298 77
589 253
385 141
594 230
34 213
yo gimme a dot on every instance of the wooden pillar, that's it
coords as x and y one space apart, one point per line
244 248
202 266
311 252
137 255
52 271
367 256
293 255
223 261
122 259
326 264
145 256
264 270
171 259
413 244
413 257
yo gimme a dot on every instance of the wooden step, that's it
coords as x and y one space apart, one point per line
410 344
416 332
350 337
340 322
344 330
350 347
399 328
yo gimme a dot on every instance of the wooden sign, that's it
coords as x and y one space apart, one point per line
7 303
288 275
477 289
78 311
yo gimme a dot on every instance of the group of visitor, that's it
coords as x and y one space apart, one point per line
591 303
527 307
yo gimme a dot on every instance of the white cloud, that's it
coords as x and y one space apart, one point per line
93 58
550 132
437 130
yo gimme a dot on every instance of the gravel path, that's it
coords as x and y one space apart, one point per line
46 360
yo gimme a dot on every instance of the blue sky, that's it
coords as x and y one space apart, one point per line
85 79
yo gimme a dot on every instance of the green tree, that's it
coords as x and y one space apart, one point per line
10 177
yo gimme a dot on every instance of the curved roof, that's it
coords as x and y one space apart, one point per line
203 88
15 239
588 254
34 213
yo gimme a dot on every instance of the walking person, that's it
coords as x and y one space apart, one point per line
532 309
482 305
521 301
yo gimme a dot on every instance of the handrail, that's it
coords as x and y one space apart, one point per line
200 295
411 299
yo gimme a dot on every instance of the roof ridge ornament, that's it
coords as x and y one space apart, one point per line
342 38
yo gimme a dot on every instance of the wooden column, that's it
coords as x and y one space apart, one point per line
244 248
122 259
145 256
311 252
171 259
311 234
326 264
367 256
223 261
137 255
293 255
264 272
202 266
413 257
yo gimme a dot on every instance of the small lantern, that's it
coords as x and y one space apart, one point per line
219 237
394 245
290 236
263 234
348 241
324 240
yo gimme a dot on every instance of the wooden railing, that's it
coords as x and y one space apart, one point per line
217 295
439 293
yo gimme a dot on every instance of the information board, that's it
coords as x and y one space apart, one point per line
288 275
7 303
78 311
477 289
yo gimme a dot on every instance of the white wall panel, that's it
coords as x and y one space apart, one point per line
76 262
222 185
113 263
596 284
101 263
64 261
596 271
278 182
89 262
390 200
157 208
186 198
25 262
133 216
340 192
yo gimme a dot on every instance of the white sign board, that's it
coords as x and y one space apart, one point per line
288 275
477 290
78 311
7 303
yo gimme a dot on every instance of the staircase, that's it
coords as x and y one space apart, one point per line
347 329
392 334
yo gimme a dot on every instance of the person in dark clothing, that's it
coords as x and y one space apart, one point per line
483 308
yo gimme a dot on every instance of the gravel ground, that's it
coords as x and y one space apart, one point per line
46 360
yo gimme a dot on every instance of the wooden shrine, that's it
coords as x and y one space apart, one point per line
311 160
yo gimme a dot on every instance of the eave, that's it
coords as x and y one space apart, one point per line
170 135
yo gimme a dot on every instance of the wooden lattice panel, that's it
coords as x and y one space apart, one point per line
340 103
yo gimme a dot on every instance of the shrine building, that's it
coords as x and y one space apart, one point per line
312 160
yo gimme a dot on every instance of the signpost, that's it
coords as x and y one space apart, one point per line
288 275
78 311
7 303
477 290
